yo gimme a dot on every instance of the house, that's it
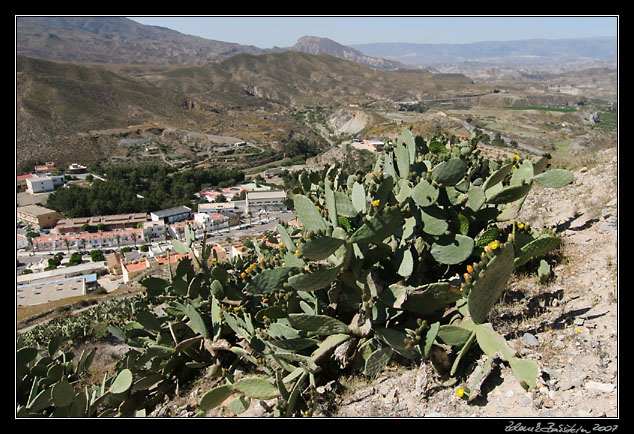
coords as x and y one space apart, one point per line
133 269
21 182
218 254
171 215
269 173
238 250
113 263
211 222
37 216
48 167
229 193
76 168
154 229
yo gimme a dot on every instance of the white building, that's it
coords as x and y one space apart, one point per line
265 201
172 215
212 222
45 292
154 229
40 184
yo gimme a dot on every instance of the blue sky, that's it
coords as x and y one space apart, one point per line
284 31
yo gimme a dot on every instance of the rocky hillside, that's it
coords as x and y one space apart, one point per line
116 40
59 103
568 326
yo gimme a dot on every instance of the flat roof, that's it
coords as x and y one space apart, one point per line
35 210
273 194
171 211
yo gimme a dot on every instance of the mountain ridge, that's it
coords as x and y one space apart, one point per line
122 40
320 45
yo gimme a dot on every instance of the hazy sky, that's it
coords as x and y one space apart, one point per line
284 31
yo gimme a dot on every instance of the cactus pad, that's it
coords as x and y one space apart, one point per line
424 194
379 227
449 172
536 248
268 281
320 248
314 280
452 249
489 285
555 178
307 213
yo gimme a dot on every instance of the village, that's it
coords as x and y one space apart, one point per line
133 245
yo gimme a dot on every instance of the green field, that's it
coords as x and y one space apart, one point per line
546 109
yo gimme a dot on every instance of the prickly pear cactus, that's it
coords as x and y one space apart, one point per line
373 268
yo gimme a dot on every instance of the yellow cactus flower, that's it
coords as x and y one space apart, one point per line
460 392
281 245
376 202
494 245
517 157
297 253
520 225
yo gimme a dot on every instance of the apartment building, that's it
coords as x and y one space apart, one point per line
41 184
37 216
109 222
89 241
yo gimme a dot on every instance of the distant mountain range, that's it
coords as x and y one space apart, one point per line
120 40
81 82
530 51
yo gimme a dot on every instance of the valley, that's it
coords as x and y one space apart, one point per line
182 122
